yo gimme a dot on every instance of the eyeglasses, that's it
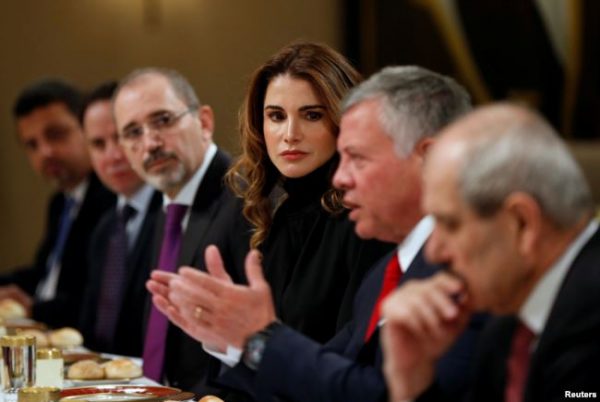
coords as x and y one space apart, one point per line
160 122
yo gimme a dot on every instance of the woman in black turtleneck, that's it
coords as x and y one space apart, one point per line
289 123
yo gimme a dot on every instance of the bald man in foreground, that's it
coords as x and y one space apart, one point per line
514 225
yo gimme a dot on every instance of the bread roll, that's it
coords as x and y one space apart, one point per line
65 338
122 368
41 340
85 370
210 398
10 309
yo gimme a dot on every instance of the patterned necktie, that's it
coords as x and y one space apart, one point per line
64 227
391 278
518 364
113 276
156 332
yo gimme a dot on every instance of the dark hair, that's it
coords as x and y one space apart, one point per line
103 92
253 175
45 92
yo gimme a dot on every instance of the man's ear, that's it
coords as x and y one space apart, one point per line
207 119
423 146
526 216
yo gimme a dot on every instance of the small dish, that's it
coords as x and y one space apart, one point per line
101 381
72 357
114 392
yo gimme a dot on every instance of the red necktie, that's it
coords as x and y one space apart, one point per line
518 364
392 276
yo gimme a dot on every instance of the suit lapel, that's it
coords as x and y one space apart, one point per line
204 207
145 236
418 269
489 371
96 200
570 301
370 298
570 321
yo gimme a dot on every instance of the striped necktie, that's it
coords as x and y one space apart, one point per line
113 277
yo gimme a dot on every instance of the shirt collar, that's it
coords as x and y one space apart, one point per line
78 193
536 309
188 192
410 246
139 200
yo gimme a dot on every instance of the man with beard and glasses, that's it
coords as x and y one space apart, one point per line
46 115
166 134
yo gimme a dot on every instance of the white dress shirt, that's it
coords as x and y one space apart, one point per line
46 289
140 201
536 309
187 194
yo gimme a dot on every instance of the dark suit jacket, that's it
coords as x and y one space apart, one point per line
567 357
64 309
129 336
345 369
186 363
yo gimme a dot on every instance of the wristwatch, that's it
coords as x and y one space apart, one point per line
256 344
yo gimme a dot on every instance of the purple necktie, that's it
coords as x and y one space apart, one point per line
113 276
156 332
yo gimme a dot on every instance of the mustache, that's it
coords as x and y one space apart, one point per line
157 155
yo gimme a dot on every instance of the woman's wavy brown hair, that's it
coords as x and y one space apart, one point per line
253 175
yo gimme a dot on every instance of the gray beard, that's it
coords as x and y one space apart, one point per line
167 180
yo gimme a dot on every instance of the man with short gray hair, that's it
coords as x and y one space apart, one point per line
388 124
514 223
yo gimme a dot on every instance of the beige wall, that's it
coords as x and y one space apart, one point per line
215 43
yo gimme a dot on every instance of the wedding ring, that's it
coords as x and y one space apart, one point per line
198 312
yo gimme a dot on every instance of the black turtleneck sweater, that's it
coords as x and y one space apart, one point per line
313 260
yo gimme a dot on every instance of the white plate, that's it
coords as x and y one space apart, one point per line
104 381
117 393
104 397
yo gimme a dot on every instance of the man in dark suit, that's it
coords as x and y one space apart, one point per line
46 119
380 172
167 136
119 259
514 223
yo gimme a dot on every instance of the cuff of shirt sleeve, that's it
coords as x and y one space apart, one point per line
231 357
